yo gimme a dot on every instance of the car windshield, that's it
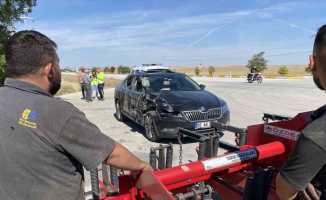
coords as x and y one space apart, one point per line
171 82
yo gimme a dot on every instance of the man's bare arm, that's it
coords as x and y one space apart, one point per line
123 159
285 190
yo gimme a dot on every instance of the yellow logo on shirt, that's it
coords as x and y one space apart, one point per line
28 118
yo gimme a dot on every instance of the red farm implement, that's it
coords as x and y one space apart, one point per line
244 171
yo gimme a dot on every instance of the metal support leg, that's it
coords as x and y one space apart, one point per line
243 138
216 143
201 151
105 174
95 184
114 178
161 158
258 184
152 158
209 147
169 156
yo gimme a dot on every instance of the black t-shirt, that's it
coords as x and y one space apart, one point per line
309 156
44 144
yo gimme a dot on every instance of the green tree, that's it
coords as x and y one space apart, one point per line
11 11
283 70
106 70
211 71
197 71
112 69
257 62
123 69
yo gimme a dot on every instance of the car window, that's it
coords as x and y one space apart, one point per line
133 84
173 82
137 85
145 82
128 81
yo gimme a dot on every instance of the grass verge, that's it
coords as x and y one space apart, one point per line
70 84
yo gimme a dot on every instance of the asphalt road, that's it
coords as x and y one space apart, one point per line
247 103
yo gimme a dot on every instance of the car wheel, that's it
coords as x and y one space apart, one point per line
150 131
118 112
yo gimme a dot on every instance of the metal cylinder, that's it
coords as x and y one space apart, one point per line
169 156
161 157
201 150
114 178
209 147
243 138
170 177
216 144
152 158
95 184
105 174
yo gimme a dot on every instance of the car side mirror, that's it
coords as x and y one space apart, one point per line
202 87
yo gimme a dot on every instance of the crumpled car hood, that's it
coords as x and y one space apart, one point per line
190 100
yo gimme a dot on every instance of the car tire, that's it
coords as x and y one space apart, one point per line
150 130
118 112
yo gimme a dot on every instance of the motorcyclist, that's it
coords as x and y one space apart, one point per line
251 76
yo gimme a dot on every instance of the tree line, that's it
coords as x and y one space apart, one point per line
120 69
257 63
11 12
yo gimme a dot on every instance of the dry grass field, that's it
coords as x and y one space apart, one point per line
70 81
241 70
70 84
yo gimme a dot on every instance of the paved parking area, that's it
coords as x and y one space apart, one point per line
247 103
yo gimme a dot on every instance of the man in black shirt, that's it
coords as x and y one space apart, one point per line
44 141
304 173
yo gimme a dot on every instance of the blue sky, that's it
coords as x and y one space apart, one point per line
178 32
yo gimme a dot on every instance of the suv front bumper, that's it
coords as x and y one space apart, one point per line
168 126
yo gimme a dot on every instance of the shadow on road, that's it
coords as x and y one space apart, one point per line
136 128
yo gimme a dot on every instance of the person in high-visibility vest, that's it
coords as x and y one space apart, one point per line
101 82
94 84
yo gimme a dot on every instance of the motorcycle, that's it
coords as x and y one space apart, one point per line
251 77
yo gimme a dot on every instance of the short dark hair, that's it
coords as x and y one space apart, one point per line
320 45
27 51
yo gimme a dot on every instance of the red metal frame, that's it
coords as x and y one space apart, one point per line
266 150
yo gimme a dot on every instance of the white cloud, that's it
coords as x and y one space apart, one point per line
148 36
133 28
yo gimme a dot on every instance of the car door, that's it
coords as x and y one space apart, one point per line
126 95
136 93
